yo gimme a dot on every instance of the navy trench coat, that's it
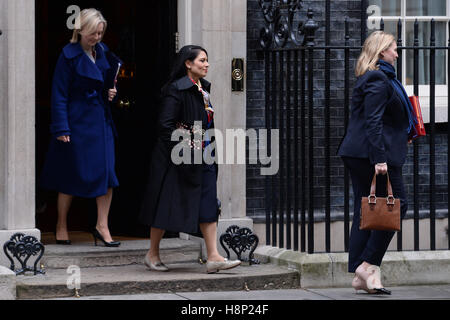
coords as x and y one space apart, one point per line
173 193
80 109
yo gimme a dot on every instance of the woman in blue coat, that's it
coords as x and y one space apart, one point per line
376 141
80 159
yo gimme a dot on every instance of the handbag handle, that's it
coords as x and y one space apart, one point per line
390 196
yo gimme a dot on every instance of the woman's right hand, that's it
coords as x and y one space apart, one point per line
64 139
381 168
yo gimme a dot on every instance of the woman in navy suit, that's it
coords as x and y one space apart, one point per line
378 133
80 159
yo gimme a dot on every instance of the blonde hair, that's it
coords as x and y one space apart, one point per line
86 23
376 43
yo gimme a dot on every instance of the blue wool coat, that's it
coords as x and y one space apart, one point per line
80 109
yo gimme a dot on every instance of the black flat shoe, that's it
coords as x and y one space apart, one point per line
382 291
98 236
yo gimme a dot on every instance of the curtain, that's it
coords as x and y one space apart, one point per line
387 7
425 8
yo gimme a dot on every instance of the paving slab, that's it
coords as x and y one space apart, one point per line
398 293
286 294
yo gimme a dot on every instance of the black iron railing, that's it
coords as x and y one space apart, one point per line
290 97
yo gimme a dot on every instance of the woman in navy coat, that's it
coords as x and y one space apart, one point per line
376 141
182 197
80 159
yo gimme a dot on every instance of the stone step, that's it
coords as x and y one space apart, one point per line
85 255
137 279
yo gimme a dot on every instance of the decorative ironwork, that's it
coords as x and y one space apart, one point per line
22 247
240 240
280 24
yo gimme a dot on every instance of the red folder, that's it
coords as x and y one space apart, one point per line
419 126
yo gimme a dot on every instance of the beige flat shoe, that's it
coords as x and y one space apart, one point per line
373 280
371 276
158 266
215 266
359 284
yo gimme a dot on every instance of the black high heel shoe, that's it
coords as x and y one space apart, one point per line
98 236
63 242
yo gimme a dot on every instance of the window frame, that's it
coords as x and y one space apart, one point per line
441 91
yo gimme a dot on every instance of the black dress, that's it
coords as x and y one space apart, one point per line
208 205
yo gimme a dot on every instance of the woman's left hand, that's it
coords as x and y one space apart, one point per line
112 93
381 168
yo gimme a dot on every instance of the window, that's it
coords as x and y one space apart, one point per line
422 10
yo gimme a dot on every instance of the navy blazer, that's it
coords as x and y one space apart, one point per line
378 122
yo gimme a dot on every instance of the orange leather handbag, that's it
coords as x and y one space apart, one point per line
380 213
420 127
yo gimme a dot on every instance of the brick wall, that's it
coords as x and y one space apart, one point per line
256 102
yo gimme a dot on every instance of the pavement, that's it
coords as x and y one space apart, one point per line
426 292
254 304
283 277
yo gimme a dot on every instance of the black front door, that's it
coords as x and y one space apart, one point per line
142 34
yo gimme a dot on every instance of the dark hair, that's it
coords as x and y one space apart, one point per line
189 52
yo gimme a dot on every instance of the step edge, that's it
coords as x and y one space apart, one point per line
148 286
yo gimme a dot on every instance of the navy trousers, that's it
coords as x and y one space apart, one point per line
366 245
